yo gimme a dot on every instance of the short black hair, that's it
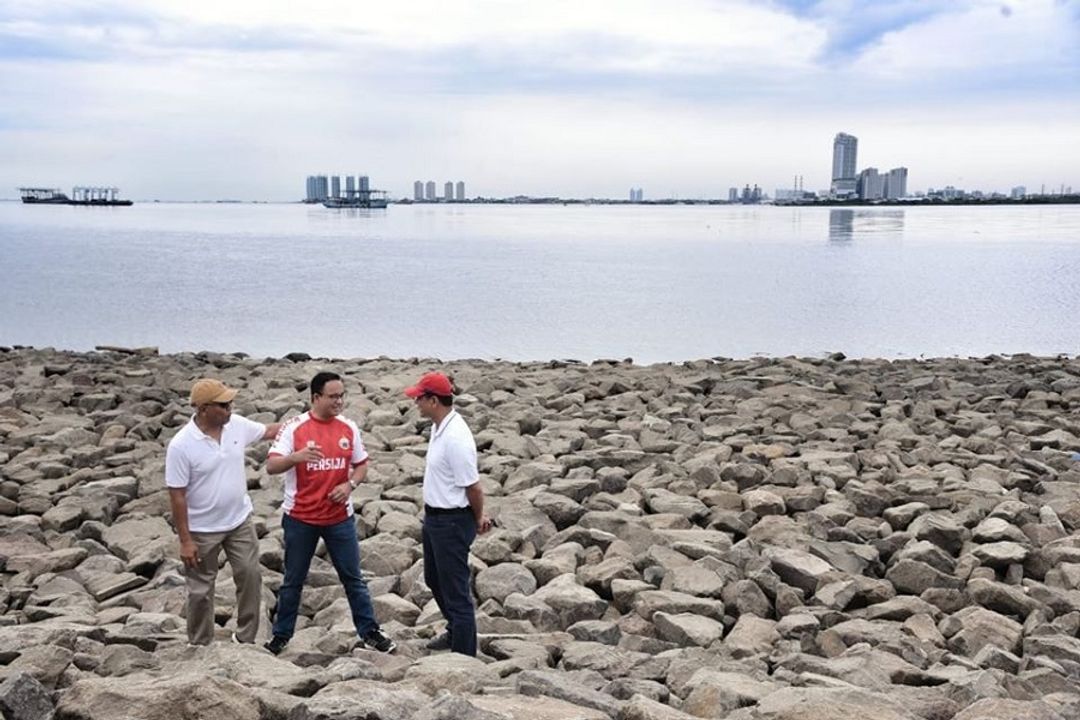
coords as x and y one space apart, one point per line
319 382
444 400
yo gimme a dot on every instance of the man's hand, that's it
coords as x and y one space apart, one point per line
484 524
309 454
189 553
340 493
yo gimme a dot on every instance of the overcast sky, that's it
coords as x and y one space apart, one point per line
232 99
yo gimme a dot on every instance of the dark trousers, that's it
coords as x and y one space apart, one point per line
446 571
344 549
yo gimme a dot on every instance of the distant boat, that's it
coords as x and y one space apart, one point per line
44 196
91 196
358 199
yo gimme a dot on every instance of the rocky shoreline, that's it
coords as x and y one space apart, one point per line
761 539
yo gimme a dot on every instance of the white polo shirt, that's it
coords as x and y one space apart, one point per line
213 473
451 463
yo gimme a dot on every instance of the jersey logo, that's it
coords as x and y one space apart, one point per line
343 443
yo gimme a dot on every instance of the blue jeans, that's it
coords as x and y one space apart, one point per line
446 572
344 549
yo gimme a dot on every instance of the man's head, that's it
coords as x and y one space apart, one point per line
212 400
433 395
327 395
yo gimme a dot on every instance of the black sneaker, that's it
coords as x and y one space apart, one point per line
276 644
439 642
378 640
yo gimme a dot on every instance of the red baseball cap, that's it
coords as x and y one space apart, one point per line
432 383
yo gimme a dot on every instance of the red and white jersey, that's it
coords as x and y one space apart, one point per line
308 485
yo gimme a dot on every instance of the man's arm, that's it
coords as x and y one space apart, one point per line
340 493
475 495
189 553
271 431
277 464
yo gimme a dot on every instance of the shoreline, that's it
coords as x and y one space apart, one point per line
754 539
148 351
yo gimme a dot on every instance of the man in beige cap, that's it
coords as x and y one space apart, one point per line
204 471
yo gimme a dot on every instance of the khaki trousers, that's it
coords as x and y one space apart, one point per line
241 547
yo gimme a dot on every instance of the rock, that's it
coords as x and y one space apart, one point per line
24 698
449 671
455 707
503 580
560 686
913 577
715 693
571 601
797 568
1005 709
980 627
751 636
687 630
828 704
640 707
158 698
118 660
535 708
361 700
940 529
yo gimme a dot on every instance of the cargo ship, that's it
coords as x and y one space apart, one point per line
358 199
92 196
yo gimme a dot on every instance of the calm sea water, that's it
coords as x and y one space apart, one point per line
542 282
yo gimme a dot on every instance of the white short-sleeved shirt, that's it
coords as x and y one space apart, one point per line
213 473
451 463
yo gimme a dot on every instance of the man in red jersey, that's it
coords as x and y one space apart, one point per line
323 459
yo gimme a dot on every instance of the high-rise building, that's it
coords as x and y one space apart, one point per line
845 150
315 189
350 186
418 190
733 195
448 191
335 186
896 184
364 183
871 184
459 191
429 190
1019 192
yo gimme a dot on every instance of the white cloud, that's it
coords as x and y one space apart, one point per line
240 99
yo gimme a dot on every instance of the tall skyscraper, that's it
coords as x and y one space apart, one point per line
335 186
871 185
896 184
418 190
448 191
309 195
350 186
845 149
429 190
733 195
459 191
321 188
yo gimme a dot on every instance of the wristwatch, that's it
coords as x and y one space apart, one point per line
352 485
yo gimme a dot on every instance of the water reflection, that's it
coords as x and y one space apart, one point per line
845 225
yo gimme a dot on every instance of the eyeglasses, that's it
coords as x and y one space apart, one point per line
223 405
336 396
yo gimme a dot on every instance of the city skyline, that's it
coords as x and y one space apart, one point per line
695 97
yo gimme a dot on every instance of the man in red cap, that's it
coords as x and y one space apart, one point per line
453 511
204 471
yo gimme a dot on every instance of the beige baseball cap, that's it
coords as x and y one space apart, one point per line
208 390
